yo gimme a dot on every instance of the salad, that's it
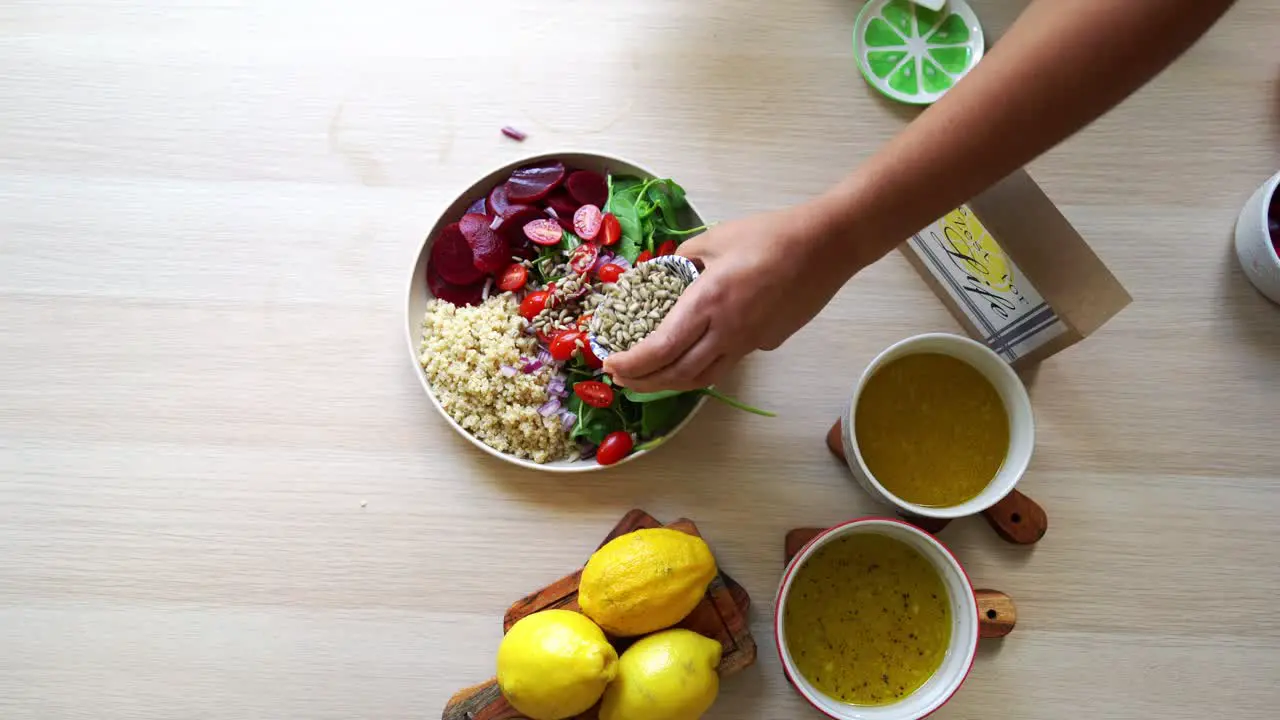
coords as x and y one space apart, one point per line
548 244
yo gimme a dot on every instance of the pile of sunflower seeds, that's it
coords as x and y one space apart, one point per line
632 307
564 305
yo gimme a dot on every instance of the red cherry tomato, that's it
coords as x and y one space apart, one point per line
644 256
543 231
565 344
586 222
543 338
584 321
584 257
513 278
610 273
610 230
533 303
589 357
667 248
616 446
594 393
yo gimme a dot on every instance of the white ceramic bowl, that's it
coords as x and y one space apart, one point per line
1016 403
419 294
964 626
1253 241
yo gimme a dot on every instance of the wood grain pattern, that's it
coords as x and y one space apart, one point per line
1016 518
224 496
722 615
997 614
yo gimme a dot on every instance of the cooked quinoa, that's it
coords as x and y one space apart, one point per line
462 350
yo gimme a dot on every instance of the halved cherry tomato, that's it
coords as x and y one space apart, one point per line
610 230
583 257
534 303
586 222
667 248
543 231
513 278
589 357
565 344
583 321
610 273
594 393
616 446
644 256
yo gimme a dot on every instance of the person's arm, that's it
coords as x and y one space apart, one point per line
1062 65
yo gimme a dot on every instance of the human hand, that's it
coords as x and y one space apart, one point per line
763 277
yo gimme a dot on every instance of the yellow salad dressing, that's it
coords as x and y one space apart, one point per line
868 619
931 429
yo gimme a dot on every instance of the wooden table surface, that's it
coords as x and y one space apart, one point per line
223 493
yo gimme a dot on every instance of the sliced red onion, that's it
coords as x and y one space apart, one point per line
552 212
556 385
507 371
621 262
514 134
531 367
567 419
550 407
545 357
497 222
488 285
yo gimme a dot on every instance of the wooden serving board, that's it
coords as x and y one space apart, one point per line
997 615
722 615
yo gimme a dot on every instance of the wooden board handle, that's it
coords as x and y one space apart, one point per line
1017 518
996 612
482 702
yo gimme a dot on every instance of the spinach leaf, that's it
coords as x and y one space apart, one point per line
658 417
593 423
640 397
666 197
624 194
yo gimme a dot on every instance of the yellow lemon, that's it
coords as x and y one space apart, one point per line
646 580
670 675
555 664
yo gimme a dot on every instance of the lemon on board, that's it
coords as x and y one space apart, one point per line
646 580
555 664
669 675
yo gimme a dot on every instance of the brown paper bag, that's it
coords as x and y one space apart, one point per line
1015 274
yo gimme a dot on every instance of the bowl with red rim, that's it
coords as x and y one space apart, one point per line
472 199
957 662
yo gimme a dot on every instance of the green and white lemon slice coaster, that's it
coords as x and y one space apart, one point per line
913 54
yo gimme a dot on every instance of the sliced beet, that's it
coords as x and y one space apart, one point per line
477 206
531 183
513 230
564 205
497 202
588 188
447 291
452 257
489 250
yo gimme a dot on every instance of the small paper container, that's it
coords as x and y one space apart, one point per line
1016 404
957 662
1253 241
683 268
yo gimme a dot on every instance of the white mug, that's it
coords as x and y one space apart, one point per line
1012 393
957 662
1253 241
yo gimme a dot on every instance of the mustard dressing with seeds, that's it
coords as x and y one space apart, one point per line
868 619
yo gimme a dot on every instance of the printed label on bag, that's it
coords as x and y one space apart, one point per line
986 285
